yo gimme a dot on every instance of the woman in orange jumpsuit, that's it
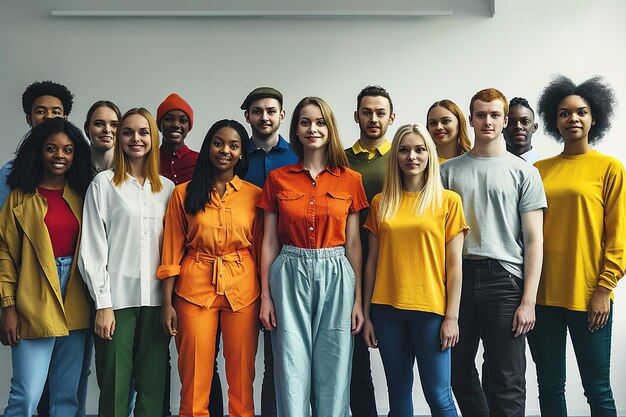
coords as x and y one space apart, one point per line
208 264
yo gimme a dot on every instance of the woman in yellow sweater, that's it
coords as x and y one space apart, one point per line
584 242
414 303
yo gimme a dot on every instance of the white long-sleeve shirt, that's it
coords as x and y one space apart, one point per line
121 240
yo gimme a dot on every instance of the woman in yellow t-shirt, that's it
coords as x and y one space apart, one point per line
413 274
584 244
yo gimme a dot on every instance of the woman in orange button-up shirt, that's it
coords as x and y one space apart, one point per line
312 289
208 263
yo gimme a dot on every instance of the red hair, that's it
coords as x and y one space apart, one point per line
487 95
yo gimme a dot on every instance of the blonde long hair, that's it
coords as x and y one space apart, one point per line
152 166
431 194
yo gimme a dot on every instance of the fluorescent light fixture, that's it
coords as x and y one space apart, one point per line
248 13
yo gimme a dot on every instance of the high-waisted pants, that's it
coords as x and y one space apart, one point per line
313 294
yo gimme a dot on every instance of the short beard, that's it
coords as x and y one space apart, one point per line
367 135
262 136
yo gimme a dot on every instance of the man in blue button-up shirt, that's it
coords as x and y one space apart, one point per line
267 150
263 109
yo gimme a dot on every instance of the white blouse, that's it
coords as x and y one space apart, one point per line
120 248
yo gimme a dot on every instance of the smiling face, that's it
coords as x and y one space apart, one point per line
135 137
488 120
519 130
102 128
57 156
412 156
574 119
225 150
443 126
45 107
175 126
265 117
312 130
374 117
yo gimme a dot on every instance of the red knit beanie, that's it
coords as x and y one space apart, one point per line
174 102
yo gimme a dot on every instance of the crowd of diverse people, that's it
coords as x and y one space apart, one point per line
113 241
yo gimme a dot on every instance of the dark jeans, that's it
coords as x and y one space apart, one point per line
362 400
593 354
405 336
489 299
268 392
216 401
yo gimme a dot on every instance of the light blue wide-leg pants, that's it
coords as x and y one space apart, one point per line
313 294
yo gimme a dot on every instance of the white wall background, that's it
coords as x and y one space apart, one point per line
214 63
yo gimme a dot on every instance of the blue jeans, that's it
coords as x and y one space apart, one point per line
489 299
403 336
83 385
57 359
593 354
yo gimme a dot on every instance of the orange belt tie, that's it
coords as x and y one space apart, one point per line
218 264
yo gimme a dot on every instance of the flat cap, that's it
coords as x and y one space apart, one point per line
262 92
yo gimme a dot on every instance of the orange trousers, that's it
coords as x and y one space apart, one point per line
195 341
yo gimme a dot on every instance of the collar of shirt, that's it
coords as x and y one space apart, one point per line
236 183
382 149
300 168
136 182
167 151
282 145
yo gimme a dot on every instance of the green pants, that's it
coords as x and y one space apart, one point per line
138 350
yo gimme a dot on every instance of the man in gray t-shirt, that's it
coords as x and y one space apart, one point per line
503 200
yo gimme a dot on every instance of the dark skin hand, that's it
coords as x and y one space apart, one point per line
599 308
9 327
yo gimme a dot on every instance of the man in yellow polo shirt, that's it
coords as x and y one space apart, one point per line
368 156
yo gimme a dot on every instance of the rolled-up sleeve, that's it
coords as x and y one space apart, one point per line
174 236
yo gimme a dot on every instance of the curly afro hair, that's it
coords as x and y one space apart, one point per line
595 91
47 88
27 172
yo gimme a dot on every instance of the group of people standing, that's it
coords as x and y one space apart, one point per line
422 246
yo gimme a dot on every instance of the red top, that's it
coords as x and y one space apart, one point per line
312 213
177 166
62 225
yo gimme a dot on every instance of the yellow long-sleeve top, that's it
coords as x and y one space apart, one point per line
411 269
584 228
210 252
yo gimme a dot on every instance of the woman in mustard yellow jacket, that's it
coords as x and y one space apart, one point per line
45 314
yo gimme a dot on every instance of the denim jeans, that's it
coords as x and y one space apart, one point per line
489 300
593 354
58 360
404 336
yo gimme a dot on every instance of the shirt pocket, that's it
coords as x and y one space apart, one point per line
291 203
337 205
